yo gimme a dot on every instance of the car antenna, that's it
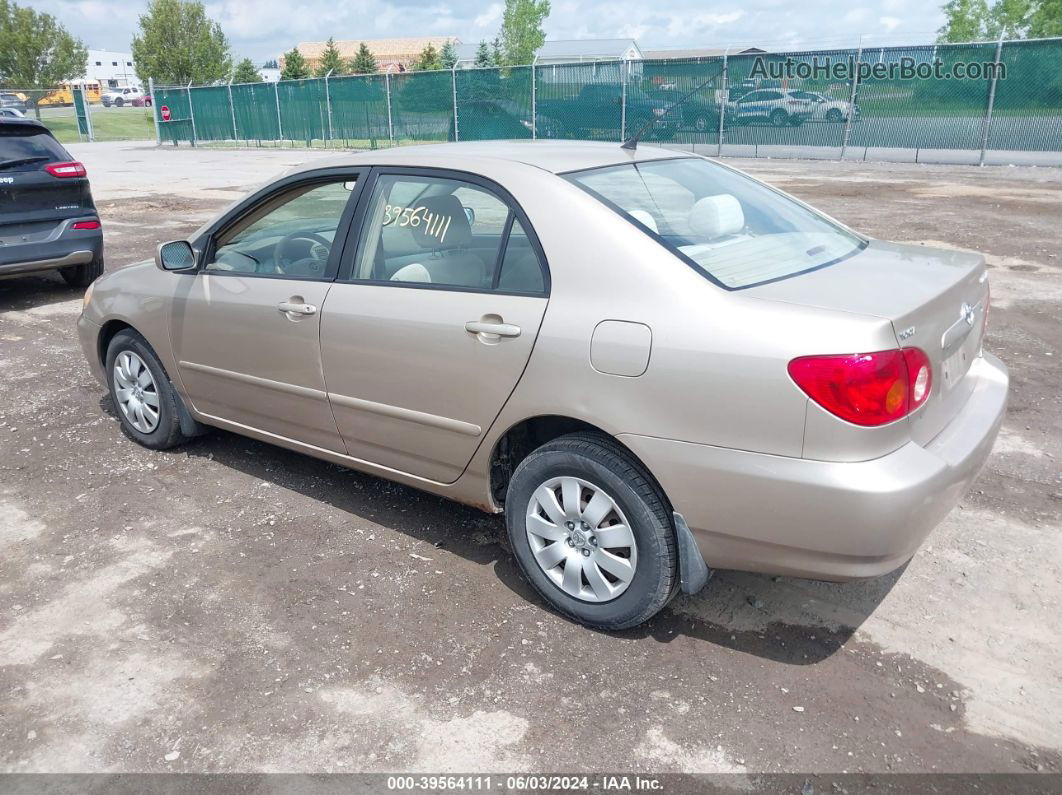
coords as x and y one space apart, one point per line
632 142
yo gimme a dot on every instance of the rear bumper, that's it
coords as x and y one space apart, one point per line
820 519
61 249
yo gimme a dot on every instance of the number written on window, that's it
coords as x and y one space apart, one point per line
435 224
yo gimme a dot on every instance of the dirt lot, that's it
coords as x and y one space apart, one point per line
231 606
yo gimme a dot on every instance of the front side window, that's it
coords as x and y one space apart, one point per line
432 230
737 231
287 235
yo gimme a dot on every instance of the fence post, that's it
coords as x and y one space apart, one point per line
453 78
328 104
534 102
387 93
623 99
280 124
232 112
852 98
154 110
191 111
991 102
724 98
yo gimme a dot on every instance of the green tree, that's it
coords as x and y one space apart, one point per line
521 30
363 62
246 72
966 21
1046 19
427 60
331 60
448 55
36 51
295 66
271 64
497 57
483 55
178 44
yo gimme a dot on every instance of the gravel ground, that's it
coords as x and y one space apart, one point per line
230 606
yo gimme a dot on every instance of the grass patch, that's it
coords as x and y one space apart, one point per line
108 124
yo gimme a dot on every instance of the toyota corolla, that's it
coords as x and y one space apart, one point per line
653 365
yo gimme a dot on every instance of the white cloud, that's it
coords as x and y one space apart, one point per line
890 23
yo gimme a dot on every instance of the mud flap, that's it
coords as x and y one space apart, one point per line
693 571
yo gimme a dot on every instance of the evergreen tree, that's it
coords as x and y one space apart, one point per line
483 55
448 55
427 60
295 66
363 62
331 61
246 72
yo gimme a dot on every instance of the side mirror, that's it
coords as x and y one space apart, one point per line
470 214
177 255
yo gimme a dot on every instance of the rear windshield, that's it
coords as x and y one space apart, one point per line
24 149
735 230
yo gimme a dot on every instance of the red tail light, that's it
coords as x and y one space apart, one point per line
85 225
66 170
867 389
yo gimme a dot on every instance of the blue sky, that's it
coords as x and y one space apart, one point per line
262 29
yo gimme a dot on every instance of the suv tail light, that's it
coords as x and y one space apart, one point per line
85 225
66 170
866 389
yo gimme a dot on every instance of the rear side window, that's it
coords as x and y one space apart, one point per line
23 149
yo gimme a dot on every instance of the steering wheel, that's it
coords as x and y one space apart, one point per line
313 265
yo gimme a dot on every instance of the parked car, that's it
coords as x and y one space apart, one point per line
652 364
48 220
13 101
12 113
601 106
697 112
826 108
143 101
495 119
772 105
120 96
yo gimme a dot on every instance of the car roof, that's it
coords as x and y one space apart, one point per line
9 121
554 156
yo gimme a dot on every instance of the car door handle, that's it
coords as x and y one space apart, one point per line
497 329
289 307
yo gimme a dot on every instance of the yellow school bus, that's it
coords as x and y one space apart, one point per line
65 94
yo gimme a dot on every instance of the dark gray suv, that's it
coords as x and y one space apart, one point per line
48 220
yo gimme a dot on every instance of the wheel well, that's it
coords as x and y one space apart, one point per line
525 437
110 328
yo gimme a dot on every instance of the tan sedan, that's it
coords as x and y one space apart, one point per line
654 365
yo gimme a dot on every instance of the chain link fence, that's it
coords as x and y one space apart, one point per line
115 117
855 102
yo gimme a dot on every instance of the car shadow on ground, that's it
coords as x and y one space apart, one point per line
783 619
32 292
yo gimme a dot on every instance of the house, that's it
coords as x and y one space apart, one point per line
110 69
693 53
392 55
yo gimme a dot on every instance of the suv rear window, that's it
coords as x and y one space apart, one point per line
28 149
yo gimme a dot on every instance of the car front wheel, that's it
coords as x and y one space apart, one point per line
592 533
779 118
144 399
834 115
119 102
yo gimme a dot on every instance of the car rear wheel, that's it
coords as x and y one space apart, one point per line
145 401
834 115
592 533
82 275
779 118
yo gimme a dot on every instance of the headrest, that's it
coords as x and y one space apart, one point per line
443 224
413 272
717 216
645 219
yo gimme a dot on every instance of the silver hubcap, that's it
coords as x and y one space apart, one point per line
135 391
581 540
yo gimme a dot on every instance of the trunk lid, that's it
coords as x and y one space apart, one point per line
935 299
29 195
